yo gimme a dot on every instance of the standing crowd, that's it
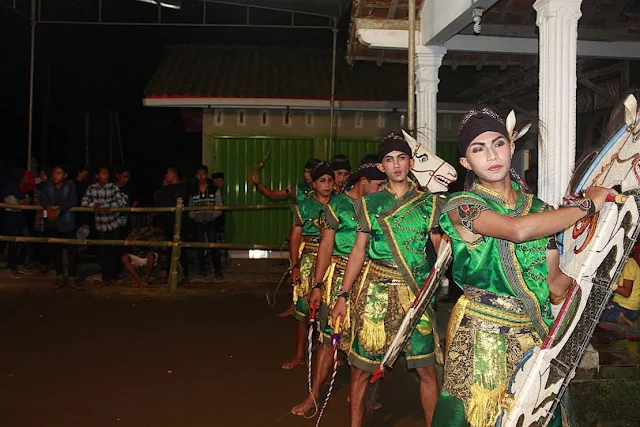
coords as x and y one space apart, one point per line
57 194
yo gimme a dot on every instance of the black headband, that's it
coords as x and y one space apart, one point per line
393 142
369 171
476 123
321 169
340 162
311 163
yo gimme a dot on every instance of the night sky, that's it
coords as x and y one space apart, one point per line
92 68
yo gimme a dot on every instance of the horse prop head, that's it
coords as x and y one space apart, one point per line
618 161
432 172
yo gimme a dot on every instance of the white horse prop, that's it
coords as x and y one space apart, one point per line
593 253
431 171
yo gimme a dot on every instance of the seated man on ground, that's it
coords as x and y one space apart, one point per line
142 257
625 305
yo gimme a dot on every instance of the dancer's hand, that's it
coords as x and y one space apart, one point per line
315 297
295 275
598 195
339 311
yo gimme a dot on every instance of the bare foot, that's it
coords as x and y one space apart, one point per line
287 312
293 363
304 407
625 321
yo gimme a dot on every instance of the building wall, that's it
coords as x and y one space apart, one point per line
350 125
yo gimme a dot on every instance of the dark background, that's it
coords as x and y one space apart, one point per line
102 68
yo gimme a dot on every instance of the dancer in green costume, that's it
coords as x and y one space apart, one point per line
507 266
394 226
338 236
305 239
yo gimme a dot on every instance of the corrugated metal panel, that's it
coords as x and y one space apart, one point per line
237 157
355 149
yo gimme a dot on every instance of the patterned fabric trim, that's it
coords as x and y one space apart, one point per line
362 215
297 216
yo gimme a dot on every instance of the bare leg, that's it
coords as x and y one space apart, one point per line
428 391
126 263
322 367
301 339
359 382
287 312
151 257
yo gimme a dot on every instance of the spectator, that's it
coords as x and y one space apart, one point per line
16 193
205 193
172 188
101 196
625 306
58 197
42 251
143 257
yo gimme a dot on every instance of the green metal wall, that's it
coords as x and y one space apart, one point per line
237 157
355 149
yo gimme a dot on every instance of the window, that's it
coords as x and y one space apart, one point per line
218 117
382 120
264 118
309 118
286 118
359 120
242 118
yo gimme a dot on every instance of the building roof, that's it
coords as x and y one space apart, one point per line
271 72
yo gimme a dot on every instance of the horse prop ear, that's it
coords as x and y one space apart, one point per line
511 124
630 110
411 141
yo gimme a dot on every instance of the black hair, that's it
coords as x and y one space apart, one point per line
204 168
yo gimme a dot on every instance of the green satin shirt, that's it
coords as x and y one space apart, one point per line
306 214
301 191
339 216
500 266
399 229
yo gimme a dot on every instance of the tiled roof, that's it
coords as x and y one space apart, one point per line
272 72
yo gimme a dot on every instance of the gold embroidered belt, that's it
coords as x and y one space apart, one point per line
340 262
500 309
385 272
310 244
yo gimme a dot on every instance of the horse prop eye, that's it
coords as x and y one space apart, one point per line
423 158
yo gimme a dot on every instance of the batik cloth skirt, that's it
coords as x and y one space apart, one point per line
377 310
332 287
301 290
487 336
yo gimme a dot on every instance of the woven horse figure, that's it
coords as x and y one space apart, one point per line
593 253
432 172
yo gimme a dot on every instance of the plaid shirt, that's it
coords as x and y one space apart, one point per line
108 196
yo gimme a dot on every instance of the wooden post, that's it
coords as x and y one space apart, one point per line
175 252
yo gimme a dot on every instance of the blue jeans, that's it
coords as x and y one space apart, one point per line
17 252
612 313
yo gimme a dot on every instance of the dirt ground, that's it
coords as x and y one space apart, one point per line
209 355
72 359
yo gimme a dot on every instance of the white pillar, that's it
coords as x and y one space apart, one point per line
558 23
428 61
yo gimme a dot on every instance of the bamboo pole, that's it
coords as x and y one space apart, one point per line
133 243
175 251
157 210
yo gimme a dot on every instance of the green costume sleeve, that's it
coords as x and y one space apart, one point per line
297 216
